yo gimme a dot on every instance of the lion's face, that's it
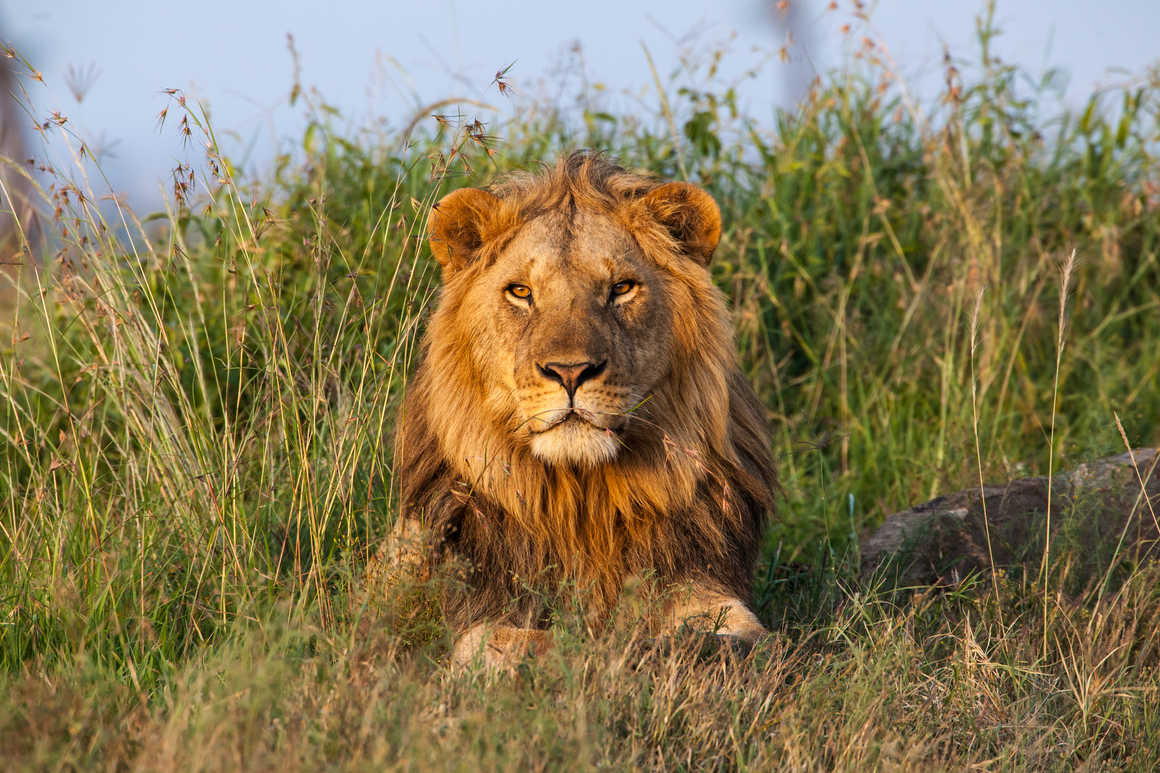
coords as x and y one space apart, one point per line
569 325
578 332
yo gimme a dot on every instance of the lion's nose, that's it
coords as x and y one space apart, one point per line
571 375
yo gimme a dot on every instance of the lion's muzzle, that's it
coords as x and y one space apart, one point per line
574 414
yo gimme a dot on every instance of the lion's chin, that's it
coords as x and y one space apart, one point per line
576 442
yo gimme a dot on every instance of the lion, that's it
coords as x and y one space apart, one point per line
578 419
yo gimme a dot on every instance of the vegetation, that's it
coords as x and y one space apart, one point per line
195 412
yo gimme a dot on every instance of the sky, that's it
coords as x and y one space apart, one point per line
383 60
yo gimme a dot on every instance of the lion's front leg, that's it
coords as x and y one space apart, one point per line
499 646
708 611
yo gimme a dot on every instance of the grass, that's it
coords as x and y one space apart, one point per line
194 409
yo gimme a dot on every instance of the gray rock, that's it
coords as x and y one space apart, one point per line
1100 512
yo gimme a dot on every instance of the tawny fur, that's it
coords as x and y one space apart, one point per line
686 496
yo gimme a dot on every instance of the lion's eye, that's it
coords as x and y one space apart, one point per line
623 287
519 292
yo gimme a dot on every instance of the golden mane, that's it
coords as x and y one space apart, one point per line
686 499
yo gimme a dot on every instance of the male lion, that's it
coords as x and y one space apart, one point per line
578 418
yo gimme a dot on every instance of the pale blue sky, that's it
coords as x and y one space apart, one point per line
384 58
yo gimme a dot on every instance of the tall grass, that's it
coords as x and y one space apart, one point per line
195 413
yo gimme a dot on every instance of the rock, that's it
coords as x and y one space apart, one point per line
1097 512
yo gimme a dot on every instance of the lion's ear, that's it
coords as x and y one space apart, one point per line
690 215
456 226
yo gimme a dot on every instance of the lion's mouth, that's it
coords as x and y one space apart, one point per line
576 436
573 416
